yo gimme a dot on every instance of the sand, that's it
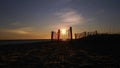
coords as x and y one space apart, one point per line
55 55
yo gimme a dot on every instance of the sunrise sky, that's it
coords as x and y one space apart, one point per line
34 19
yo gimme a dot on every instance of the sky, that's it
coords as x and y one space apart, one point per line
35 19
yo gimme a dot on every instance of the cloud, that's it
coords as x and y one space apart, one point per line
18 31
21 33
23 30
69 17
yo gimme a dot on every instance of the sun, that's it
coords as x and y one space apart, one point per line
63 31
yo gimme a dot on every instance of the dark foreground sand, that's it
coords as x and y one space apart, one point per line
57 55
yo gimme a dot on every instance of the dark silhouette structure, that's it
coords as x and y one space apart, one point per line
71 33
57 35
52 34
85 34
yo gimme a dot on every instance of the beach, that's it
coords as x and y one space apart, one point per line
62 54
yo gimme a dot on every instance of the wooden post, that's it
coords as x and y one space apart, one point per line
71 33
75 36
52 35
58 34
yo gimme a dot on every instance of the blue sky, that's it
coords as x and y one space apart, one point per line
34 19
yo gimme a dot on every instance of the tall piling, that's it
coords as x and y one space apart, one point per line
71 34
52 35
58 34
